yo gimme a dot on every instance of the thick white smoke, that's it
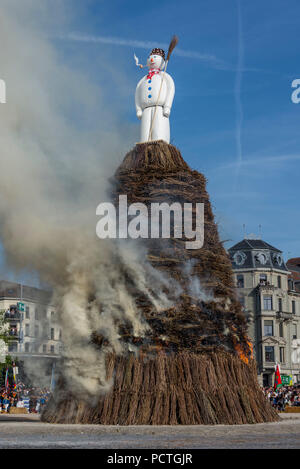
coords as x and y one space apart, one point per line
54 173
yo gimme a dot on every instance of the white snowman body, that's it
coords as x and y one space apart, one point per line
153 100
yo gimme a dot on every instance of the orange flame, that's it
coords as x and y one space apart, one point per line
245 357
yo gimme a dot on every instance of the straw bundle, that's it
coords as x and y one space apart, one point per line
180 389
195 365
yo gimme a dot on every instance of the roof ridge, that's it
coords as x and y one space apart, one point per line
247 241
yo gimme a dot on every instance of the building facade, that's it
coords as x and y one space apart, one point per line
272 306
34 331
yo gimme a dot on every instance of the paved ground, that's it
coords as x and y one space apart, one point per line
26 431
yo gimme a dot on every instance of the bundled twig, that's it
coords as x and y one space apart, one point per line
173 44
194 366
181 389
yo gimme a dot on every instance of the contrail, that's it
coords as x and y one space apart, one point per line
237 92
116 41
269 160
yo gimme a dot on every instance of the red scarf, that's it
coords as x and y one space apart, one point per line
153 71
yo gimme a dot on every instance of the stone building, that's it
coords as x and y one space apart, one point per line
34 332
294 278
272 305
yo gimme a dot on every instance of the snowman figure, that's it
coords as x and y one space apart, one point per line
153 99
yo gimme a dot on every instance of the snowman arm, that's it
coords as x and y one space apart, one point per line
170 91
138 107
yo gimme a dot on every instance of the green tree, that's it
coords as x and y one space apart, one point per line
5 359
4 337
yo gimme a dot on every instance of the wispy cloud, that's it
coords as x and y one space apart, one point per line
209 59
268 160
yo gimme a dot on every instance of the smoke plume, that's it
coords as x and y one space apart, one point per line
54 172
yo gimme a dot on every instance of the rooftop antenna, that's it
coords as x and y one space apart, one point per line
259 231
244 230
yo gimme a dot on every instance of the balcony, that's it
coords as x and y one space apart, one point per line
265 285
284 315
12 315
14 334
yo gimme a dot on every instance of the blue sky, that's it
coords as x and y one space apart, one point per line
232 118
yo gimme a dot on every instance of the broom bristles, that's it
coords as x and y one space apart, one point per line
172 46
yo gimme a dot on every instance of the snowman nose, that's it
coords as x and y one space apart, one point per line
152 60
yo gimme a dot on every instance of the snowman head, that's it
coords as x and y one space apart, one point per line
156 59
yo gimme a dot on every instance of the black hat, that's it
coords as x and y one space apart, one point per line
158 51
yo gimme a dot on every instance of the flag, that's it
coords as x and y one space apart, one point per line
277 378
6 380
14 374
52 384
21 335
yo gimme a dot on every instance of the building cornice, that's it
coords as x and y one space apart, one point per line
260 269
23 300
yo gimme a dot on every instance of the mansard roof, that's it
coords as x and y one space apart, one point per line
254 254
254 244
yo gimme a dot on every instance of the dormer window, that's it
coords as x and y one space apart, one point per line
261 257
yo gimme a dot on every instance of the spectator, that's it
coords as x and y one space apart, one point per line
21 396
283 396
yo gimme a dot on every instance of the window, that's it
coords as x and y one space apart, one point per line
268 303
27 330
36 314
240 281
52 348
269 354
279 281
294 331
27 347
52 333
293 307
12 347
36 347
266 379
263 279
36 331
291 285
60 333
268 328
281 352
27 314
279 304
281 329
44 348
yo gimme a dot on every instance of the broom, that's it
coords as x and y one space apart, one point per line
173 44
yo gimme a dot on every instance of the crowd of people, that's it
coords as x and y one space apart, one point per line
33 399
30 399
283 396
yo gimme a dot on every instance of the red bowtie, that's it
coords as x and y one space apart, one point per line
153 72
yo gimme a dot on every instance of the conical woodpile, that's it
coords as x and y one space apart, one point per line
183 388
195 364
156 172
